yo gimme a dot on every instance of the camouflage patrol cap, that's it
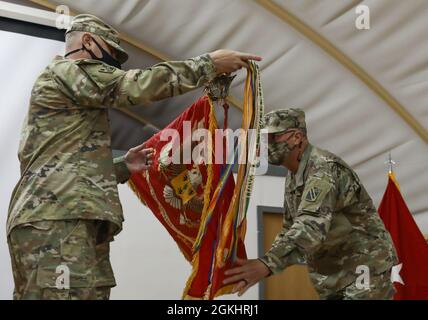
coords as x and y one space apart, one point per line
284 119
93 24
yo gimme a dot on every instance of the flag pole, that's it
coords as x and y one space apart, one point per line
391 163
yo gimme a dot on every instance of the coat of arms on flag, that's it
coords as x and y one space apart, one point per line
192 191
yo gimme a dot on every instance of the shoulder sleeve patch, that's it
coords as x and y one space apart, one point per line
313 194
316 195
103 75
106 69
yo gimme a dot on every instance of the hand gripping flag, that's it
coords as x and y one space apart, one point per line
410 277
192 192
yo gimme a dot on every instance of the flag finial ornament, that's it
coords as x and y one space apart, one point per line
391 163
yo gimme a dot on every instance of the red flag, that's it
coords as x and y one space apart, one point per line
198 202
179 194
412 248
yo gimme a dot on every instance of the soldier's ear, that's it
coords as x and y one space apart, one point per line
298 136
86 40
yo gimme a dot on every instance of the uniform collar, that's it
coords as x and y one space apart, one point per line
299 176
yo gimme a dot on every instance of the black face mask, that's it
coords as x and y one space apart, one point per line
106 57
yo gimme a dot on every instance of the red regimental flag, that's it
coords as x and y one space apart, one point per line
179 194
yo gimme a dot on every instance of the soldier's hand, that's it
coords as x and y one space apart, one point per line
138 158
246 274
227 61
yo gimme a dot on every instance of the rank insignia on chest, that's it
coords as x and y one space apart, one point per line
313 194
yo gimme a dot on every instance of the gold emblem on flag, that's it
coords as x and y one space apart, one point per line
183 187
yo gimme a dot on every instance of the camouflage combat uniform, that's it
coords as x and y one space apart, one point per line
330 223
65 208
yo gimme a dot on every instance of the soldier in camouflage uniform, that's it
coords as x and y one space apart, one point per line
65 209
329 221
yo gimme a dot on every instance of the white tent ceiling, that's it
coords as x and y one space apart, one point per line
365 92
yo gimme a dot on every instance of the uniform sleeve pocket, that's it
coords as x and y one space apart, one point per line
47 269
70 265
52 279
